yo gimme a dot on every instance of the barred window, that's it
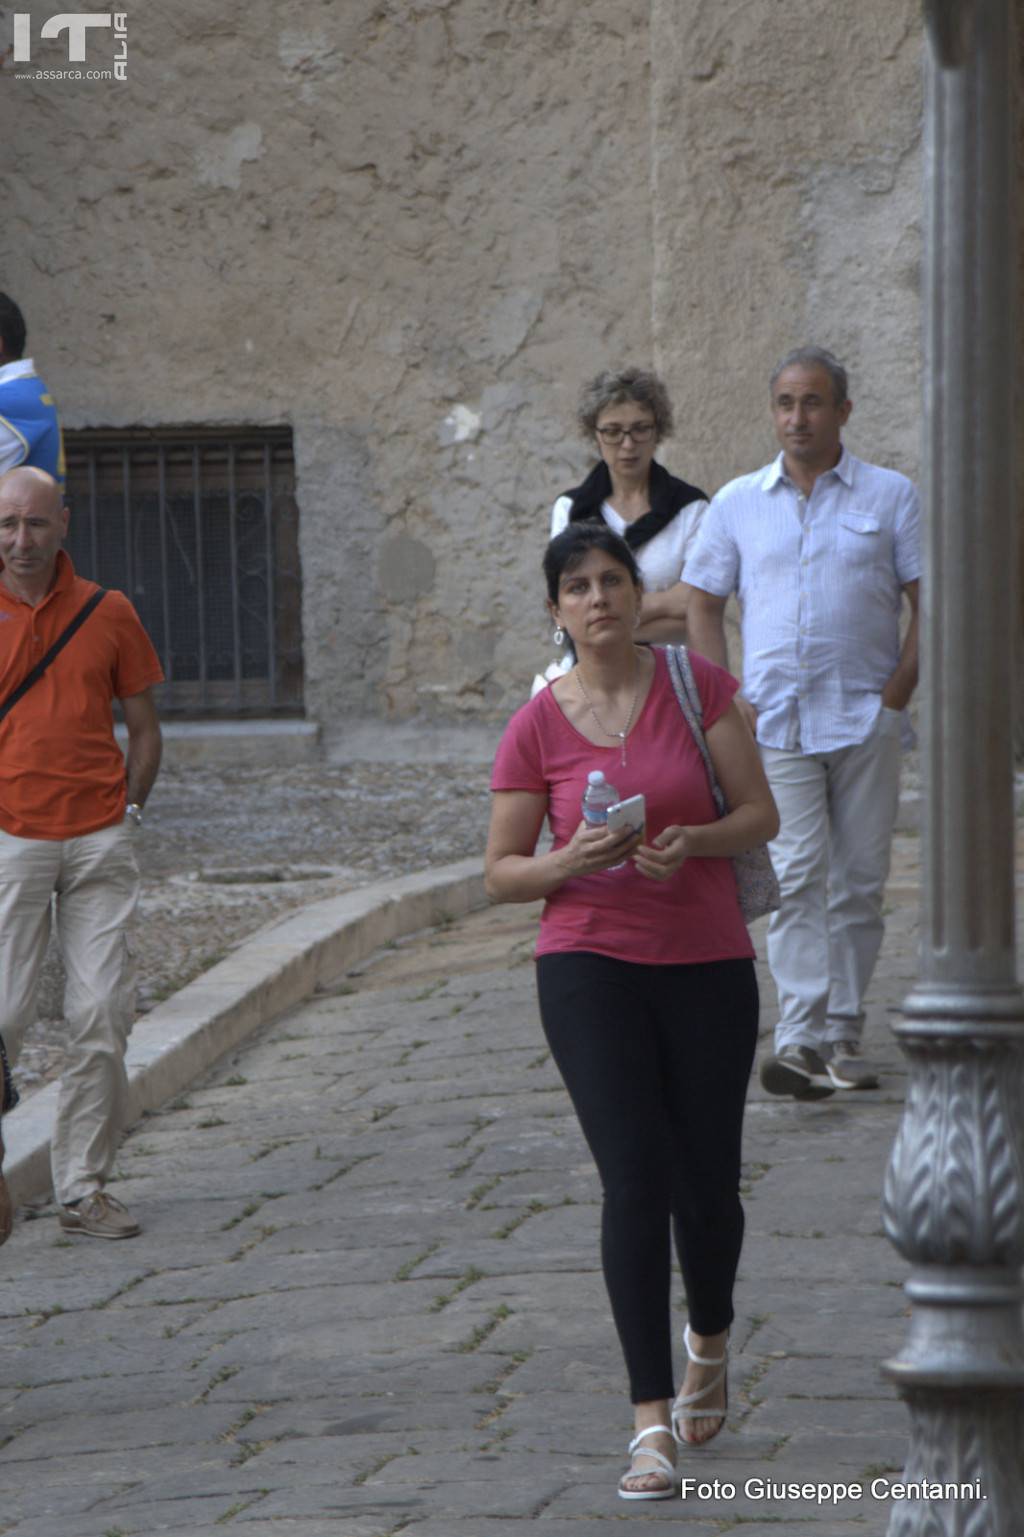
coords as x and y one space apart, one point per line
200 529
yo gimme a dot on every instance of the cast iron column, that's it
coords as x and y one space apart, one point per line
954 1196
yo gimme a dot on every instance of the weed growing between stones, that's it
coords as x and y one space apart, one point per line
404 1272
248 1210
476 1195
467 1279
532 1210
517 1359
225 1374
485 1330
375 1468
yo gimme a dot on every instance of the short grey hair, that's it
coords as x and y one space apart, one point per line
815 357
613 387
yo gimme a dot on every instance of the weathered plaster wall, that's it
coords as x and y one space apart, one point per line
787 181
407 227
410 227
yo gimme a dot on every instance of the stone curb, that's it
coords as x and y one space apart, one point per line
268 974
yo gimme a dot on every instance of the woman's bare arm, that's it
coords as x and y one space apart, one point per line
514 873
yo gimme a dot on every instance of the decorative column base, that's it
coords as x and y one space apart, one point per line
967 1461
954 1206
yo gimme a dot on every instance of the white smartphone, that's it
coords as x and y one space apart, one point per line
627 815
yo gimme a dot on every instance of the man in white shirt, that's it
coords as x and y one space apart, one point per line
820 547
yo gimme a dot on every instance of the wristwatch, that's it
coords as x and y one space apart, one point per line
134 810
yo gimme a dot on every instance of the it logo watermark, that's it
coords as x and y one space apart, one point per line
77 25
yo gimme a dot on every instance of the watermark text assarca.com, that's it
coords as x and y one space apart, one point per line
76 26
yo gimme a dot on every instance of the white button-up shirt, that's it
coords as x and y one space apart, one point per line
819 580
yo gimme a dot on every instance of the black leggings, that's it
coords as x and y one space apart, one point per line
656 1060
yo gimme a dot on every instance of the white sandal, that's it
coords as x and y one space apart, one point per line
666 1468
683 1409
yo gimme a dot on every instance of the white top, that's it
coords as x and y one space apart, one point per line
819 580
661 559
12 444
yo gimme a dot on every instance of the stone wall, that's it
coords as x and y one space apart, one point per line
409 228
787 180
405 227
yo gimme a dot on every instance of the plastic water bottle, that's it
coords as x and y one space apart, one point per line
597 797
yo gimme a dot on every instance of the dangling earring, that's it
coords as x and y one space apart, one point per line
559 635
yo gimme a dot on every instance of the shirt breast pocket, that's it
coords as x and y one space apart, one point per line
861 539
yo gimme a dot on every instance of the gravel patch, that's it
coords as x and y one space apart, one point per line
224 852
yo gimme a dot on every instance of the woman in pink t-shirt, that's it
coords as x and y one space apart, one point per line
644 971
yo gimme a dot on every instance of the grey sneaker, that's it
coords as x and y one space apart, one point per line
797 1071
100 1216
848 1070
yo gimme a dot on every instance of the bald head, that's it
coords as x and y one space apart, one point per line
33 522
28 482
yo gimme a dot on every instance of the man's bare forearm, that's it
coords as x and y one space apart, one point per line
903 681
705 622
144 752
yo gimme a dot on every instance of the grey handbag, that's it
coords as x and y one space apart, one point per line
756 882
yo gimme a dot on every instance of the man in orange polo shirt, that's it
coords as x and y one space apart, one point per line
69 813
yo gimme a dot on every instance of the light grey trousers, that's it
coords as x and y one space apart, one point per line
91 885
837 811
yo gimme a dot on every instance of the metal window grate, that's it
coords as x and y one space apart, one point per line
200 530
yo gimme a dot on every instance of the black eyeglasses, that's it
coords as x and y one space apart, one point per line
641 433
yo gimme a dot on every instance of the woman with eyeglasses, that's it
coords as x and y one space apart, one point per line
626 413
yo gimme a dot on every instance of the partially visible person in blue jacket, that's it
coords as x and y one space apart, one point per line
29 425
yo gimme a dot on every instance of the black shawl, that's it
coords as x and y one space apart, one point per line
668 496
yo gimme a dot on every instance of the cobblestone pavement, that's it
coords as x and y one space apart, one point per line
367 1300
224 851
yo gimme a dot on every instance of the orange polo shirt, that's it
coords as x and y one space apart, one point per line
62 773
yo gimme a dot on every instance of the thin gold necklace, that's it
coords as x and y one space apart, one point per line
621 735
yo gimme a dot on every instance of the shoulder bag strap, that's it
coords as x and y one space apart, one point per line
54 651
680 671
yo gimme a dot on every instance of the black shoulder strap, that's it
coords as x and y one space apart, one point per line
54 651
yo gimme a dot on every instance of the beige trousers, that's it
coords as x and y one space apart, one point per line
831 855
91 886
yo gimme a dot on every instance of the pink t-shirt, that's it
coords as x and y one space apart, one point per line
694 915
